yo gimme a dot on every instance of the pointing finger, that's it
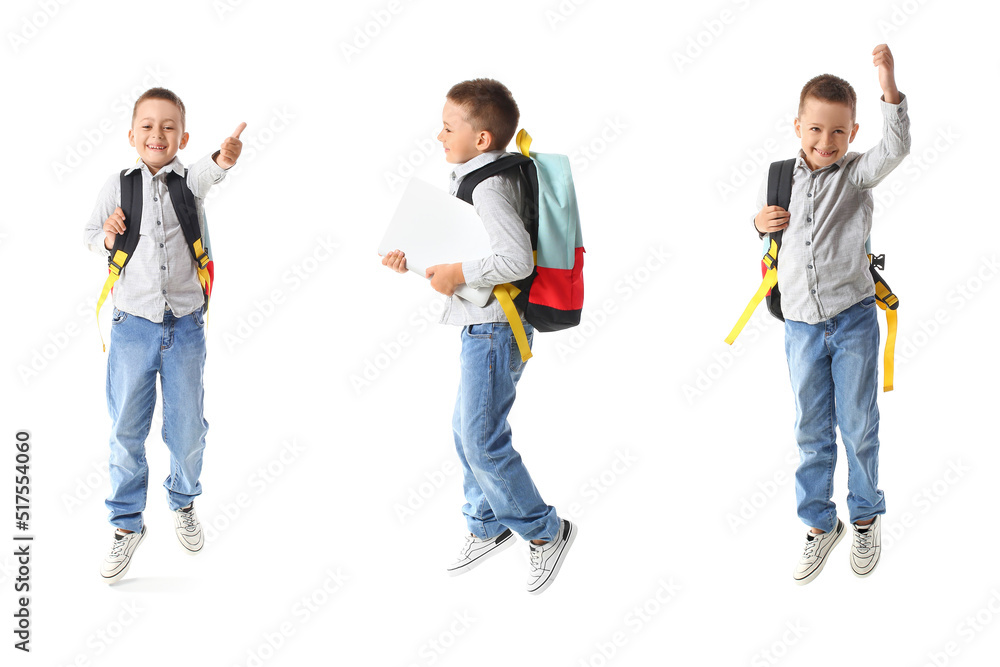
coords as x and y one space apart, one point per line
239 129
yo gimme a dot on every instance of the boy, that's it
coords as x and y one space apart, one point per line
157 327
827 298
480 117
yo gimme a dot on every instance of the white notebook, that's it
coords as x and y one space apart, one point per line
432 227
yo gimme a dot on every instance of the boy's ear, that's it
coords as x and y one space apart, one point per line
131 139
184 140
798 130
853 132
484 141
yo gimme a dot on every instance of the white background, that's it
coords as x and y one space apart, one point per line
687 542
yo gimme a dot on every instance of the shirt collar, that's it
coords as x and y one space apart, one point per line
800 161
174 165
483 159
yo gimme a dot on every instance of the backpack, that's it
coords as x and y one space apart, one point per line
184 206
551 298
779 193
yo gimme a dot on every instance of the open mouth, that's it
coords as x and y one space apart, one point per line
156 147
824 153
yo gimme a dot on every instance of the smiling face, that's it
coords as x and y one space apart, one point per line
826 129
461 141
157 132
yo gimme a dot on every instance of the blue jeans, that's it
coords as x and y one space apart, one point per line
833 367
140 349
499 492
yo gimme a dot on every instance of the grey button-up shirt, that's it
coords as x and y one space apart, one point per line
501 204
822 264
161 271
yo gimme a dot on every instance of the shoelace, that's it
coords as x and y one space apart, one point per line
188 519
118 547
536 557
469 539
810 548
862 540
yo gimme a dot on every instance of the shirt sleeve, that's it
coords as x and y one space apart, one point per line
203 174
107 202
496 201
878 162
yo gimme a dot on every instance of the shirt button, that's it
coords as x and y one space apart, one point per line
809 266
813 291
809 219
155 199
814 176
164 291
808 242
161 245
163 268
809 195
157 222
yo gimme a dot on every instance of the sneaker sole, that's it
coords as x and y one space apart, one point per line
188 549
116 577
559 561
815 573
507 543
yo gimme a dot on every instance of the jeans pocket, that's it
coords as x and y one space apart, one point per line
480 330
867 302
515 351
118 316
199 316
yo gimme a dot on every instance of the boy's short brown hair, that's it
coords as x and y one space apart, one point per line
830 88
161 94
488 106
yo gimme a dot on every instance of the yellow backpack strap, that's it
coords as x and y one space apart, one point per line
523 142
505 295
888 302
114 271
769 281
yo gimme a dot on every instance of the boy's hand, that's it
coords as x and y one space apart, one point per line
113 226
395 260
771 219
886 73
446 277
231 149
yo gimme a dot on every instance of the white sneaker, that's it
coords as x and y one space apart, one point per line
546 559
120 557
867 547
188 529
817 548
476 551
